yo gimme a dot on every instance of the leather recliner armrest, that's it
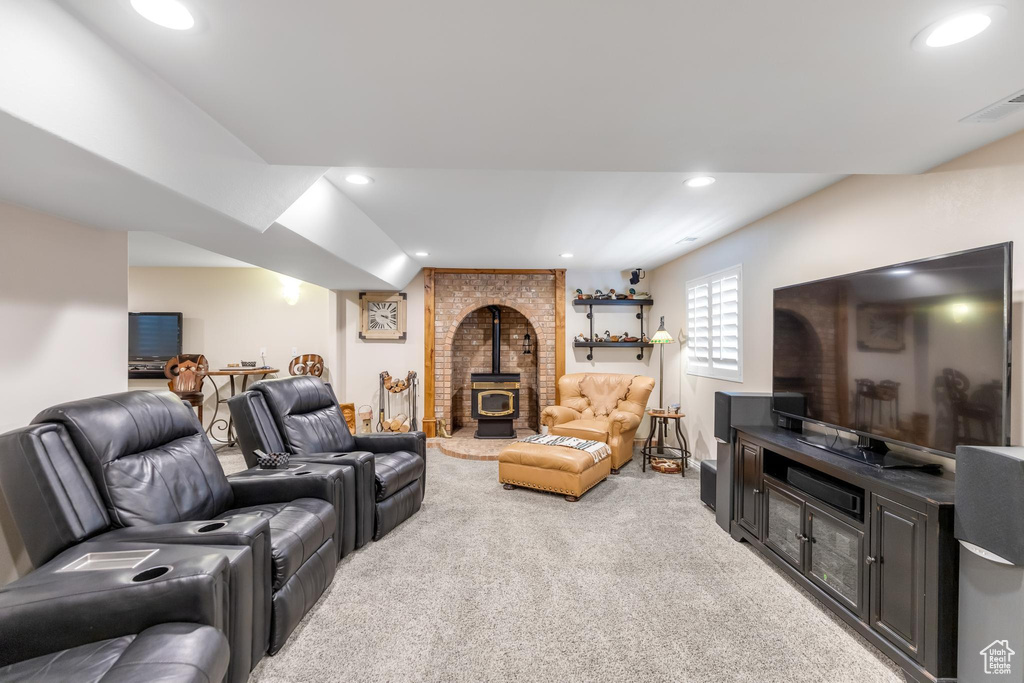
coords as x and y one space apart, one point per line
310 480
236 530
413 442
47 612
362 504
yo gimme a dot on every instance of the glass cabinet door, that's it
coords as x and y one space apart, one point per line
835 559
783 524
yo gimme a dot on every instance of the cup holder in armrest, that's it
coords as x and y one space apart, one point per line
207 528
151 573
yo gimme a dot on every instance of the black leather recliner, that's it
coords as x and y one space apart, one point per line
137 467
300 416
116 625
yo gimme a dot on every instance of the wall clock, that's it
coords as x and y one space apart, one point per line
382 315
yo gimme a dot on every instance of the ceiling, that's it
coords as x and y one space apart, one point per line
537 127
153 249
517 219
574 85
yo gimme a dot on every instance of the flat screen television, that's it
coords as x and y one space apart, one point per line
916 354
153 337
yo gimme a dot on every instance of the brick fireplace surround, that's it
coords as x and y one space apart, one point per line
451 295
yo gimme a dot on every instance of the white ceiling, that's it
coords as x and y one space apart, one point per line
498 133
152 249
650 85
517 219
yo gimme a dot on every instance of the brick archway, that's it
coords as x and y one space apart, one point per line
452 294
448 355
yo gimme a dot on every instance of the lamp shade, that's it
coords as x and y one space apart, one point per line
662 336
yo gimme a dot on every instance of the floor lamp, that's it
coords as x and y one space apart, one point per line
661 337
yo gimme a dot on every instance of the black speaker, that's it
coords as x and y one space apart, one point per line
990 499
708 475
734 409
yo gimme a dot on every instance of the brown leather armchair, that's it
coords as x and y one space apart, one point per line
601 407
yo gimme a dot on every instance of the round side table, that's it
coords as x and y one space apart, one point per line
659 424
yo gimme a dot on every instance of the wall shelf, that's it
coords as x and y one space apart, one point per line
613 302
591 345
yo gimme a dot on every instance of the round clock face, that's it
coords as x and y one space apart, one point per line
383 315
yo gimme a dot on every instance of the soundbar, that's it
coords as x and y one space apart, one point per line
823 489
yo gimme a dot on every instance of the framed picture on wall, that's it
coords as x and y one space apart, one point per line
880 327
382 316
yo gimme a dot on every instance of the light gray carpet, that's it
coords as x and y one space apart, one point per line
635 582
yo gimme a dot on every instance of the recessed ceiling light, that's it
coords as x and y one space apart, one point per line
700 181
422 253
358 179
167 13
958 28
566 255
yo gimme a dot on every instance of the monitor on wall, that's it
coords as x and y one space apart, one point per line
916 353
153 337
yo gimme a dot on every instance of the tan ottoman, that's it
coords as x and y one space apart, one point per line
558 469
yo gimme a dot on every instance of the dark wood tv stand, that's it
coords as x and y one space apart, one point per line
890 571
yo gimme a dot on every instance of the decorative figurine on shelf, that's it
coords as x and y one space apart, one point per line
588 296
614 338
645 339
580 338
632 293
626 338
579 294
642 295
607 336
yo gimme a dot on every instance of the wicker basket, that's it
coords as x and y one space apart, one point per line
666 466
271 461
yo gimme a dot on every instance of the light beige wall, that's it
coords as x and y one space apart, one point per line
365 360
63 298
231 313
861 222
616 320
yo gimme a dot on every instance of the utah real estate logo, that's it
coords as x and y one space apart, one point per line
997 657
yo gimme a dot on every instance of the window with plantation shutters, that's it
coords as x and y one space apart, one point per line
714 347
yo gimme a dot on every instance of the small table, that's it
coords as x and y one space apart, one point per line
659 423
231 373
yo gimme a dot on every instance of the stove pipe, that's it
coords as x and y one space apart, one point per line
495 339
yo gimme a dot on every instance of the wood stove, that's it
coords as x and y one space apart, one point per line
495 394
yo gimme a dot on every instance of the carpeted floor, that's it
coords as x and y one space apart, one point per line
635 582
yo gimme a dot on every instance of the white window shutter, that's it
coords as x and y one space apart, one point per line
714 345
698 325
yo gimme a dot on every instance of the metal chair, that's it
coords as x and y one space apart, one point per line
307 364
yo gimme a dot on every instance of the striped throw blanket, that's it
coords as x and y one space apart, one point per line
598 450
